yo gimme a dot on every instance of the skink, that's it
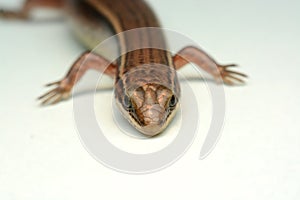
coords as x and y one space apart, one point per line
146 93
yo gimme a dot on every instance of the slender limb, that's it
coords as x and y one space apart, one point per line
28 5
200 58
85 62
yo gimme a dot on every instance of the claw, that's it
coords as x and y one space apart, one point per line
48 93
48 99
54 83
237 73
229 65
235 78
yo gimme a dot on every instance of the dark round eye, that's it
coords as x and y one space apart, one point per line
127 102
173 101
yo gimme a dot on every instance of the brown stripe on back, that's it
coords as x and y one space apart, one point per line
130 14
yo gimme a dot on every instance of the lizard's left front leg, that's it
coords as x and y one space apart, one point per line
203 60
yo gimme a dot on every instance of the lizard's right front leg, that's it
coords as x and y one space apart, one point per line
85 62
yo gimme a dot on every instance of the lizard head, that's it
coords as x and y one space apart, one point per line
150 108
147 99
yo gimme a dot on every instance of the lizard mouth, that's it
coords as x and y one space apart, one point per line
151 130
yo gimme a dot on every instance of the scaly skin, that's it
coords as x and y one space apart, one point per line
146 85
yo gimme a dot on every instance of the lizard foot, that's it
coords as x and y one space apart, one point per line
230 77
61 92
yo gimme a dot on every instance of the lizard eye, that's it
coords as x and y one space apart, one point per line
173 101
127 102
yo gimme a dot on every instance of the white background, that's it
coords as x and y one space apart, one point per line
258 156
